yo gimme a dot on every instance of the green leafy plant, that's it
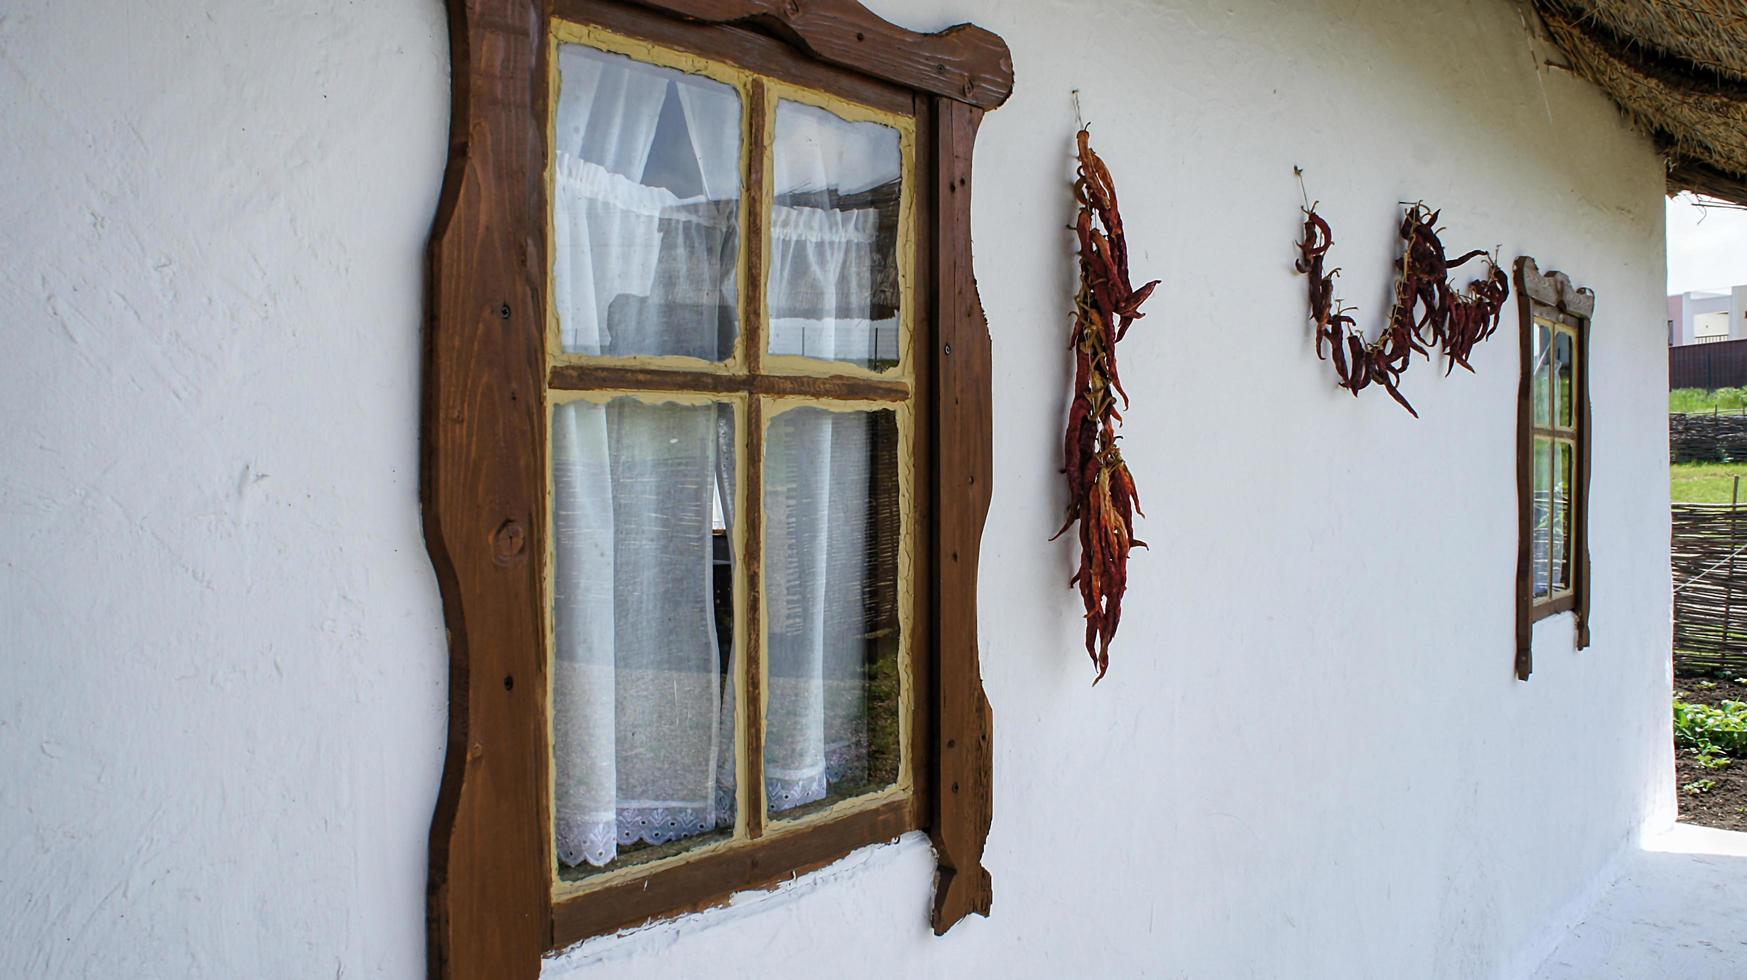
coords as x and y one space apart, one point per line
1719 730
1708 760
1699 787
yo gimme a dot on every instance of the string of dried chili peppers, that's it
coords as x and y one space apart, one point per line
1427 308
1101 493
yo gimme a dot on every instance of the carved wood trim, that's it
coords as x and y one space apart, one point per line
490 910
1552 293
964 439
965 63
481 489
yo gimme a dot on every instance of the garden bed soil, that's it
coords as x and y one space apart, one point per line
1724 804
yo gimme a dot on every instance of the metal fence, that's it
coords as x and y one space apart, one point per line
1722 364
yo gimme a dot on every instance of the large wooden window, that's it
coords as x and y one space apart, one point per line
706 461
1552 455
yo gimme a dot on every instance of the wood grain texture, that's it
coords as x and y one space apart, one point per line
579 377
1553 290
740 46
964 63
710 880
963 440
924 633
752 706
483 501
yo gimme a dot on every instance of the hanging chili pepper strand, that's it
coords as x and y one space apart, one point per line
1426 308
1101 492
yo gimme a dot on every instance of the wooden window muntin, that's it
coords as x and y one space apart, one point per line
1550 300
1559 430
761 386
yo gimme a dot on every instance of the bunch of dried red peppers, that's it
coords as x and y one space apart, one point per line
1101 494
1427 309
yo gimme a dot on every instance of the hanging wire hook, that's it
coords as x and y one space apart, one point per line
1298 172
1079 120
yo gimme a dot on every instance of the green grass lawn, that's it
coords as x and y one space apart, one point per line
1706 483
1729 401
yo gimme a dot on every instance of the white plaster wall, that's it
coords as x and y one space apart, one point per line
222 668
221 696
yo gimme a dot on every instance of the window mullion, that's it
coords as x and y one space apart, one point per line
755 224
752 318
752 680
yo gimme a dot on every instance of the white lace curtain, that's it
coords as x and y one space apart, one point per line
643 702
823 260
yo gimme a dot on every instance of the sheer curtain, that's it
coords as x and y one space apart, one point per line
642 736
819 463
646 191
817 471
825 257
821 284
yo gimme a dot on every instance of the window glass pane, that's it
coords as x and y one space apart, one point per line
832 529
1563 374
1560 545
1543 389
645 208
1540 539
643 701
833 283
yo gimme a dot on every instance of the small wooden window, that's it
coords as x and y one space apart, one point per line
1553 454
706 461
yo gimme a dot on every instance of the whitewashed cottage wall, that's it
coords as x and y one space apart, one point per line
222 664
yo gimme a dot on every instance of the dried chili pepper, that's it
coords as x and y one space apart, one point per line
1426 309
1101 492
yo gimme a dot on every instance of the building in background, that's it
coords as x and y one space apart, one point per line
1707 317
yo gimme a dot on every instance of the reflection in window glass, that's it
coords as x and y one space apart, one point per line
643 704
1562 379
645 208
1543 388
1543 525
1560 544
832 527
833 285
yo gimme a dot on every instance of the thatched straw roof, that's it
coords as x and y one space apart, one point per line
1678 67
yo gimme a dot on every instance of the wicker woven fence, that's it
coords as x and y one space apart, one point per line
1714 438
1709 548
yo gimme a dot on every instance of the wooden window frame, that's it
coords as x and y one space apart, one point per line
491 910
1551 296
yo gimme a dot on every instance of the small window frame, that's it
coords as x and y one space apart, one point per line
1551 299
492 910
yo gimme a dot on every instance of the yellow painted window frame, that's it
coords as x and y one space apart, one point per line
754 89
1556 435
